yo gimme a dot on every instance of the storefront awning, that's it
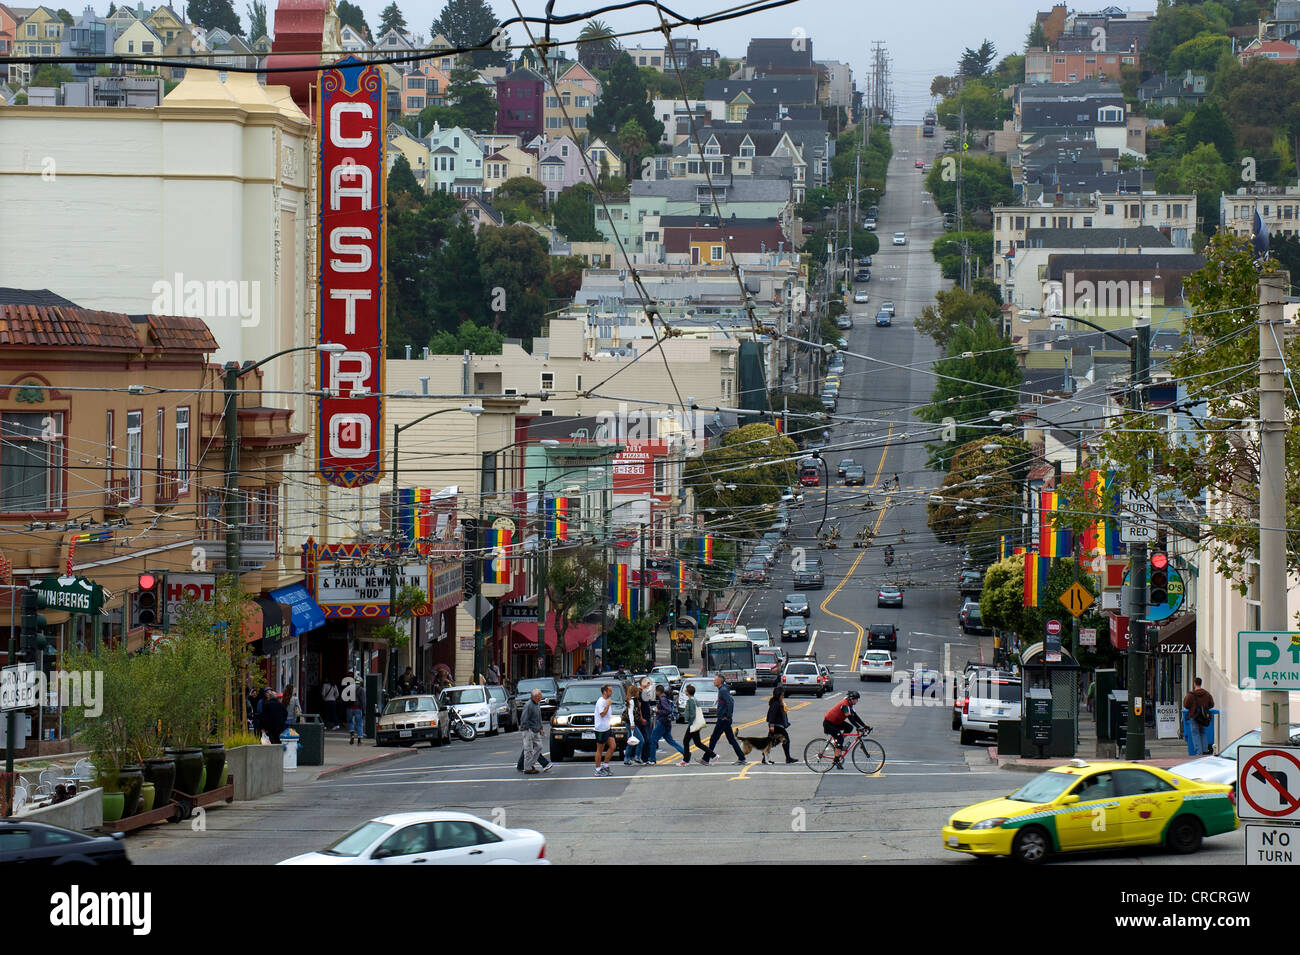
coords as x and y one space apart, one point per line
1178 636
272 630
578 635
306 614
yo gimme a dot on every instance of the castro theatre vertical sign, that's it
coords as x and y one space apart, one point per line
351 279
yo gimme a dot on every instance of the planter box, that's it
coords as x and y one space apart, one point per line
83 811
257 770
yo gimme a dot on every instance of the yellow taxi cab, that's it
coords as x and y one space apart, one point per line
1094 806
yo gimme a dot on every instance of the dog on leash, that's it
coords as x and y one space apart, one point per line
764 744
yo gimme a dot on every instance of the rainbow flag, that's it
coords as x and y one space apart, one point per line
1004 547
1036 568
620 590
1052 541
496 556
557 519
682 585
1017 551
706 549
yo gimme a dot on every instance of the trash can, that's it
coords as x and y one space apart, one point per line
1117 703
311 740
289 740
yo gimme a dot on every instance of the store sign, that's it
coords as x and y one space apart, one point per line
367 586
186 587
447 582
351 261
73 594
634 467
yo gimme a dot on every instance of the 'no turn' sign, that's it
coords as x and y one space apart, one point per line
1268 783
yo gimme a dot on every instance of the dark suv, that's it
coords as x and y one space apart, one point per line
970 583
882 636
573 726
550 692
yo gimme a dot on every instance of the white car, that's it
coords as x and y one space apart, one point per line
869 223
432 838
989 699
1222 766
876 665
472 703
760 637
900 238
860 296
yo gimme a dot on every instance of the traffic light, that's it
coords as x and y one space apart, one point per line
148 599
32 626
1158 581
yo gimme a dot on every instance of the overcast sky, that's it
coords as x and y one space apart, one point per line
923 38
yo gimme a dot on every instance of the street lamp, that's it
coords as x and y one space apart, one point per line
232 507
474 410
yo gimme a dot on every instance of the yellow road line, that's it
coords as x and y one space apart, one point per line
884 453
857 647
743 726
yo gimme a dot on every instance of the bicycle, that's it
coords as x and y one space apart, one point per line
867 754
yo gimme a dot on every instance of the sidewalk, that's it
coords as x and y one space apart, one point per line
1161 752
341 757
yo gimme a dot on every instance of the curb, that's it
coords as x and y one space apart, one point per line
1016 764
366 763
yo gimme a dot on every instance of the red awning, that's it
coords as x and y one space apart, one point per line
578 634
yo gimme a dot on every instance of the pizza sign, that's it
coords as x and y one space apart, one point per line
350 307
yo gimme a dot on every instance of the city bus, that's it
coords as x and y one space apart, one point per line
732 655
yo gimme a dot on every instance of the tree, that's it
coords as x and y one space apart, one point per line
977 62
520 199
51 74
985 107
596 37
515 258
971 389
954 308
575 586
1037 38
471 101
1201 54
632 144
112 9
214 15
942 86
1174 26
1217 458
471 23
65 16
402 180
986 182
624 99
947 251
625 643
472 337
390 18
1207 125
980 497
257 20
1002 605
752 464
575 213
352 15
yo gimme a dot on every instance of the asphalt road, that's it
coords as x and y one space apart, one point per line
751 814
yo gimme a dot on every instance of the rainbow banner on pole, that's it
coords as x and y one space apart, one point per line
1052 541
557 519
706 549
496 556
621 591
682 585
1036 569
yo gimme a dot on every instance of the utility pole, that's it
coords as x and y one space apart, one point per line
641 589
541 579
1135 743
961 211
1274 716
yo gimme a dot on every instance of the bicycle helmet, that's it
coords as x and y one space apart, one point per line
854 696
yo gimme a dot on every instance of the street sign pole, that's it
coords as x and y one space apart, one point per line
1135 743
1275 716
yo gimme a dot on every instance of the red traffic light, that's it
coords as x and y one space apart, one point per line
1159 561
146 582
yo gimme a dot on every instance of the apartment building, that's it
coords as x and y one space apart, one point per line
1278 207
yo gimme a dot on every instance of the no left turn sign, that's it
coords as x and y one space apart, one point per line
1268 783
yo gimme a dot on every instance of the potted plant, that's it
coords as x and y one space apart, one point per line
118 732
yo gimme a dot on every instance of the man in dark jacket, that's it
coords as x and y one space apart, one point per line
530 723
726 708
664 713
274 715
1198 704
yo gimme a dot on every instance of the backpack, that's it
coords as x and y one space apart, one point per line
1200 715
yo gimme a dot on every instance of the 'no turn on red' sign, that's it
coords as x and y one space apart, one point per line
1268 783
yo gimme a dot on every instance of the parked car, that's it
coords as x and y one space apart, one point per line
925 682
865 260
39 843
989 698
803 675
949 221
407 720
970 583
471 702
828 401
884 319
889 595
795 605
781 525
855 475
862 275
883 636
573 727
794 628
550 693
811 575
673 675
501 701
1057 811
876 665
844 463
768 663
844 322
755 571
900 238
869 223
432 838
706 696
961 686
971 620
1222 766
766 551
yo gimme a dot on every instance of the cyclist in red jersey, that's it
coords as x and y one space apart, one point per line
839 717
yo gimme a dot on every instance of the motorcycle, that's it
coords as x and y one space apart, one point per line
460 727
